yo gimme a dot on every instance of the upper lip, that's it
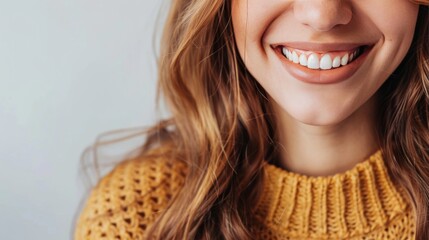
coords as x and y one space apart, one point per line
322 47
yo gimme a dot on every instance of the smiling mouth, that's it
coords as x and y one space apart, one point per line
322 67
321 61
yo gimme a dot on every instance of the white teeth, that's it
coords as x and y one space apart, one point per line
303 60
353 55
285 52
295 58
326 62
337 62
313 61
345 59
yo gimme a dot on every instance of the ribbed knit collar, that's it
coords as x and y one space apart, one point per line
339 206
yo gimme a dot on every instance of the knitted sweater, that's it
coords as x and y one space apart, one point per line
362 203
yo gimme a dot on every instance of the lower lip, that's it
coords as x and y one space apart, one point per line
318 76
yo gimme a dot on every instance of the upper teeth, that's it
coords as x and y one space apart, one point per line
320 61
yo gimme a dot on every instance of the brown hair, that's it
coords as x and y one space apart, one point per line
404 123
222 124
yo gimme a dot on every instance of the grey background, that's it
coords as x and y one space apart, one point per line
69 71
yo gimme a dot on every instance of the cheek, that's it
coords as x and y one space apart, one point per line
396 20
238 16
395 24
250 21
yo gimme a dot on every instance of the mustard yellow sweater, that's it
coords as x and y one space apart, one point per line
362 203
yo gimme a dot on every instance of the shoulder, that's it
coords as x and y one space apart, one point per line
127 200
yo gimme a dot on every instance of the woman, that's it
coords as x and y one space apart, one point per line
290 119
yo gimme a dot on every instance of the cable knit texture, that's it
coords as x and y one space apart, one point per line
362 203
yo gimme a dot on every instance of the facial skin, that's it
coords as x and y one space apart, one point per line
388 25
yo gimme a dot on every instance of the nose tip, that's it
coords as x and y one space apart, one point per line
322 15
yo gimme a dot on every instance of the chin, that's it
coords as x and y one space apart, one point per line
317 116
320 120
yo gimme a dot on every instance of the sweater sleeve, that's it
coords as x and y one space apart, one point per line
125 202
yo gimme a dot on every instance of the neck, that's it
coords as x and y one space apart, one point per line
327 150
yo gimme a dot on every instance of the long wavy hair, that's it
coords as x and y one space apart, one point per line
222 124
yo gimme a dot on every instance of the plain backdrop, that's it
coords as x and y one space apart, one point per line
69 71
